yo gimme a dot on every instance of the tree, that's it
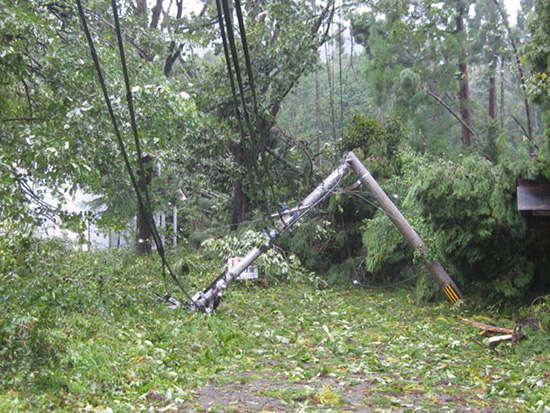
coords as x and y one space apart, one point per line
413 47
61 137
282 40
537 55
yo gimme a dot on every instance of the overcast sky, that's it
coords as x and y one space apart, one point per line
512 7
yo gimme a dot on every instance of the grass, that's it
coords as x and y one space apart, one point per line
91 336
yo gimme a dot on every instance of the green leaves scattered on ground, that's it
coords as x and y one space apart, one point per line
105 343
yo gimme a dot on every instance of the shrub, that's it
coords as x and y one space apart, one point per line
274 263
465 210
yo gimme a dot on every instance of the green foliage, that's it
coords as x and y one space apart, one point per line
55 131
537 84
386 252
466 212
377 143
274 263
535 325
473 222
311 240
463 202
83 331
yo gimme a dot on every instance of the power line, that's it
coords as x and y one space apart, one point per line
247 57
235 57
122 148
229 69
257 144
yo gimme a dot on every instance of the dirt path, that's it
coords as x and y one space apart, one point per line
261 392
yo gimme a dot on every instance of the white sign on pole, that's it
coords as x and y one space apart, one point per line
249 273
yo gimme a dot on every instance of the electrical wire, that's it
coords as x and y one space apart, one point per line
228 37
247 56
340 47
118 135
229 69
147 208
235 57
354 193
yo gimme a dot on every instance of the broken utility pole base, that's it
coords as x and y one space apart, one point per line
208 299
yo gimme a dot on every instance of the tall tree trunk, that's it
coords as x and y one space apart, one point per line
144 234
141 11
240 200
156 14
175 49
463 93
502 95
318 123
238 205
249 154
520 70
492 97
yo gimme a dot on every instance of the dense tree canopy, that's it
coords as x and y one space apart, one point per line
244 106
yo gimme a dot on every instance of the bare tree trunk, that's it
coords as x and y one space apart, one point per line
175 50
502 95
492 97
239 203
463 93
141 11
144 232
318 122
156 14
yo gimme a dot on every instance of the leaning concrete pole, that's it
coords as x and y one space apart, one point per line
436 269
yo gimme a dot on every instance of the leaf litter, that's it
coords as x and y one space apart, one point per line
290 347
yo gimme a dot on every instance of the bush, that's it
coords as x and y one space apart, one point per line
465 210
42 281
378 144
274 263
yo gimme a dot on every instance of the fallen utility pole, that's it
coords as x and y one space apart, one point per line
415 242
209 299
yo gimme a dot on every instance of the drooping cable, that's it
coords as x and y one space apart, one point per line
330 89
235 57
229 69
257 144
340 49
119 135
261 142
147 208
247 57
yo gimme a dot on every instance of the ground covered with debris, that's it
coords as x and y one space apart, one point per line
98 340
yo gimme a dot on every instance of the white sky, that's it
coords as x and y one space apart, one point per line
512 7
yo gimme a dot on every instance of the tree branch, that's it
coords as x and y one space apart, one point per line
520 69
449 109
20 119
156 15
27 92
